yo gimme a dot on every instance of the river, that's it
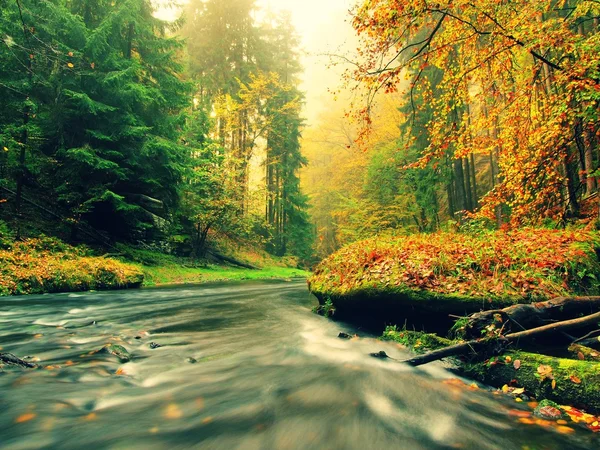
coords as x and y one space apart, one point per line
241 366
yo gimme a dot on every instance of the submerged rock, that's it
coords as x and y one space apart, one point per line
116 350
154 345
548 410
192 360
343 335
11 360
380 354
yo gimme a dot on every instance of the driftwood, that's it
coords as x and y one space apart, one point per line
492 344
524 317
12 360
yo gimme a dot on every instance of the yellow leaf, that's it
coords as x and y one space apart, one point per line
5 149
173 412
518 400
70 65
518 391
553 384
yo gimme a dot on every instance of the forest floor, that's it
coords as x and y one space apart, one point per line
46 265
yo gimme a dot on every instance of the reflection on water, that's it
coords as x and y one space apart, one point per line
241 366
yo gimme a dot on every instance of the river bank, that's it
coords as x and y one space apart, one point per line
48 265
430 284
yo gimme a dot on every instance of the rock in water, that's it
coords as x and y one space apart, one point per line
380 354
548 410
154 345
11 360
116 350
343 335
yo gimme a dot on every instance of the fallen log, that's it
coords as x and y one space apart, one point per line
496 345
533 315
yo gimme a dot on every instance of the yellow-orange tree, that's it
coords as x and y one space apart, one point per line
520 84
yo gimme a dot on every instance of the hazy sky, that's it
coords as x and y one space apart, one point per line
324 28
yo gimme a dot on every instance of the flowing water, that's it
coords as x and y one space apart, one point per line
241 366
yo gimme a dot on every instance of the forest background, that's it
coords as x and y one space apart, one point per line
130 128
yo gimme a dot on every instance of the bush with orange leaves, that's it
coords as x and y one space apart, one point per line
36 266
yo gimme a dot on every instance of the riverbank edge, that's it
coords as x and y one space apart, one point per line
564 381
457 273
47 265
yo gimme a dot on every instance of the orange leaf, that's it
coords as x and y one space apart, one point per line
25 418
575 379
517 364
580 356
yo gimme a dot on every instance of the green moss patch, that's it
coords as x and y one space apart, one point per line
565 381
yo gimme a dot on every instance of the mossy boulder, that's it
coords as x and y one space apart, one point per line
418 342
456 273
116 350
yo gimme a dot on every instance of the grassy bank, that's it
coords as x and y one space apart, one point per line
46 265
171 270
459 273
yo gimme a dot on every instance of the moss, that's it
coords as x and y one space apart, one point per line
416 341
577 383
584 353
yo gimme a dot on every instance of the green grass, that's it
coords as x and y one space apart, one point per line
177 274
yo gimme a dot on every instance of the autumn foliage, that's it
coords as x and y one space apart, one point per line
520 85
507 266
47 265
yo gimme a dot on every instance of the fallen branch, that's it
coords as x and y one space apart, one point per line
498 344
525 317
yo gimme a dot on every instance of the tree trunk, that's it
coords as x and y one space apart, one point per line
468 188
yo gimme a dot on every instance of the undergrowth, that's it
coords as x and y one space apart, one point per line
35 266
